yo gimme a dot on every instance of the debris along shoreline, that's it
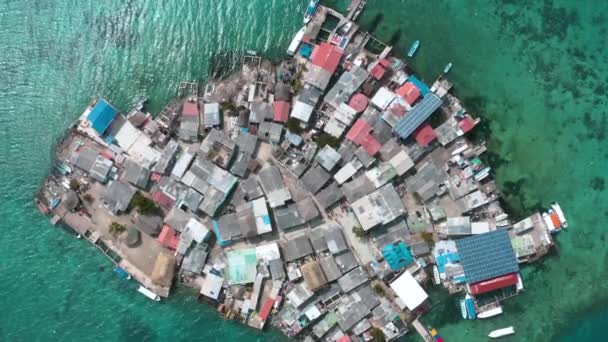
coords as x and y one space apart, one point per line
313 195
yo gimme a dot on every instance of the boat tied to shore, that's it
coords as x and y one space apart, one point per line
502 332
148 293
463 309
490 312
310 11
560 214
413 48
295 42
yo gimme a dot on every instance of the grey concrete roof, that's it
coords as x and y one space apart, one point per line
101 169
352 279
260 111
296 248
315 178
347 84
329 196
307 209
330 268
149 224
346 261
288 217
195 259
118 196
335 240
317 239
167 157
136 174
84 159
328 158
277 271
357 188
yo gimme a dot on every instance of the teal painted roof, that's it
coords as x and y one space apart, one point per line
102 115
397 255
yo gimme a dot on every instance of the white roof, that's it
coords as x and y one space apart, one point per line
401 162
197 230
262 219
127 135
211 285
267 252
383 98
480 227
142 153
345 173
335 127
302 111
345 114
182 164
409 291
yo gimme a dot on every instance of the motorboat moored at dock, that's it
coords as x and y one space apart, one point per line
470 306
501 332
295 43
463 309
490 312
549 223
436 278
310 11
413 48
148 293
558 210
121 273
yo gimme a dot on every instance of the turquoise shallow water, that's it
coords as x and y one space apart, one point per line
536 71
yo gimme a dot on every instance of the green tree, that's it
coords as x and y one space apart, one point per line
293 125
143 204
117 229
327 139
359 231
74 184
88 198
379 290
378 335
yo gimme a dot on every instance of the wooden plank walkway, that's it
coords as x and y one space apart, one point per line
426 336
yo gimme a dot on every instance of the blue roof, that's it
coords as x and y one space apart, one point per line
424 89
397 255
487 256
444 259
419 114
101 116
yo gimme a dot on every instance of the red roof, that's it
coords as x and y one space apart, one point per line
378 71
168 238
266 308
385 62
281 111
190 109
494 284
409 92
425 135
107 154
359 131
359 102
156 177
466 124
162 199
370 144
326 56
344 338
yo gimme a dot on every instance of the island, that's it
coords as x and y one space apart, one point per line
323 194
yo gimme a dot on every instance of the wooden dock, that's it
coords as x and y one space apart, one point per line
426 336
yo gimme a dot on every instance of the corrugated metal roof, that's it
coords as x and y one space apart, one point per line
420 113
487 256
102 115
326 56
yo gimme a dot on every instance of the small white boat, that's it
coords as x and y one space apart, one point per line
550 227
447 68
562 218
436 278
495 311
502 332
310 11
148 293
463 309
295 43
